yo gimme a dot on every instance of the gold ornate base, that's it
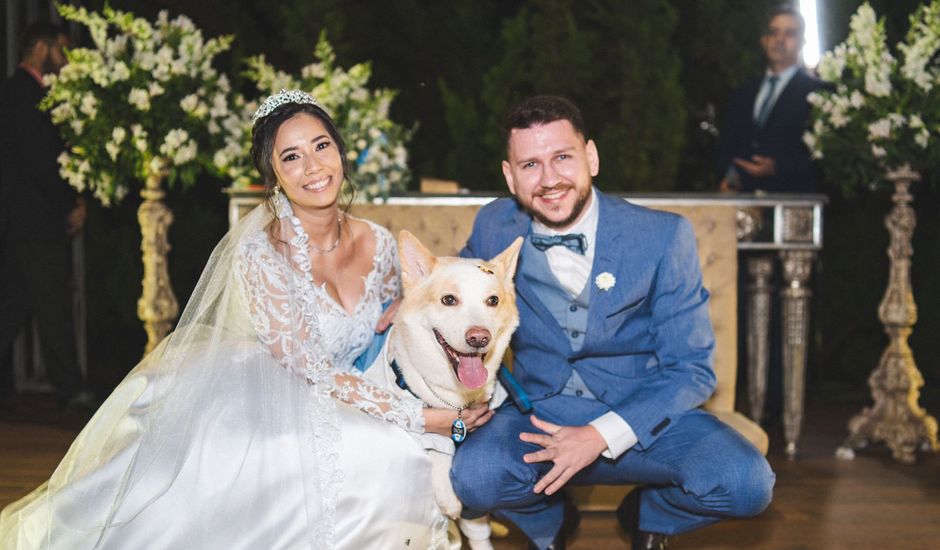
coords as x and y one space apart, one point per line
896 419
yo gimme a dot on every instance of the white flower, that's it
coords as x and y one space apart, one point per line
188 103
113 149
877 85
139 98
157 165
878 151
810 140
922 138
605 281
857 100
118 134
880 129
120 72
185 153
838 118
89 106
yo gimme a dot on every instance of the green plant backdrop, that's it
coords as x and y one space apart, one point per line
647 73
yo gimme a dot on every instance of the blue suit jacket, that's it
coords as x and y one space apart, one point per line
781 136
648 349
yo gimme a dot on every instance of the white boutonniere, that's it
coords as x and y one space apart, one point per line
605 281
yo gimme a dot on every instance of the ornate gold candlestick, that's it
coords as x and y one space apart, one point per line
896 417
157 306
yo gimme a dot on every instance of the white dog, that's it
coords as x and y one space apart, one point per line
453 325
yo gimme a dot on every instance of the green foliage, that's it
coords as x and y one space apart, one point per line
618 65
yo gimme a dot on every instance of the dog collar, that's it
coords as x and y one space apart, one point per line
458 429
400 378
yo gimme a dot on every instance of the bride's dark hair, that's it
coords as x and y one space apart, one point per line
262 145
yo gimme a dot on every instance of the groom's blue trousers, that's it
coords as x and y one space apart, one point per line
696 473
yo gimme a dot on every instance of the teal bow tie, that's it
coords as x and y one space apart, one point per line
575 242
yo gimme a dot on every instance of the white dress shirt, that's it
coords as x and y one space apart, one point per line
573 271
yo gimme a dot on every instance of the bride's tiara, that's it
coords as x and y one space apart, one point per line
281 98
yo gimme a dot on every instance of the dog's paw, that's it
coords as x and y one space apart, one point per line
480 544
449 504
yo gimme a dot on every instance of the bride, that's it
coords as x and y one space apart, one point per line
248 427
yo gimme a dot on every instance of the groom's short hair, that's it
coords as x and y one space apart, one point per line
542 109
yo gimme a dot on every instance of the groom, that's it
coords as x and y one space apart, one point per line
614 350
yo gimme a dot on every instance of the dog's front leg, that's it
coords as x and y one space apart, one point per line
477 531
443 490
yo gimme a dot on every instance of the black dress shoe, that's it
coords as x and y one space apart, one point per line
569 524
628 515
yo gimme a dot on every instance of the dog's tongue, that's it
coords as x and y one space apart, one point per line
470 371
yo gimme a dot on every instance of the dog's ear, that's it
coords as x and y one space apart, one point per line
506 260
416 260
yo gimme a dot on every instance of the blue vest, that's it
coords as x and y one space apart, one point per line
571 314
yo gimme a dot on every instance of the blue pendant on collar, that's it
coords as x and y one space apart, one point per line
458 430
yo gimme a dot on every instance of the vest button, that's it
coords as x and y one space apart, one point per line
575 334
573 308
579 393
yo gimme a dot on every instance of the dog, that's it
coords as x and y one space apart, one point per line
452 327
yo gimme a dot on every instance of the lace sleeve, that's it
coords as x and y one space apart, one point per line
389 267
285 314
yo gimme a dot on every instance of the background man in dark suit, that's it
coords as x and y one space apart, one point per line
39 213
762 139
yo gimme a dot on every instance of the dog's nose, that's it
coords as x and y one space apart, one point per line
477 337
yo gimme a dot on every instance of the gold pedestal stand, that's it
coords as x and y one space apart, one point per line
896 417
157 306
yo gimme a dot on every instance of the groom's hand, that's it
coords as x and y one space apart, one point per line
570 448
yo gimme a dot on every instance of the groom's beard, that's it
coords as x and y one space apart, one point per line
575 210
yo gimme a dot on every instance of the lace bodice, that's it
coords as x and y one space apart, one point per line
309 333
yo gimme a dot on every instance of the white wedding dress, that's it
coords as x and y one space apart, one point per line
248 427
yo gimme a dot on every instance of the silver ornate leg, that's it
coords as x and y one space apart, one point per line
797 266
760 268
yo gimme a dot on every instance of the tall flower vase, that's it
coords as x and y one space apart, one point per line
896 418
157 306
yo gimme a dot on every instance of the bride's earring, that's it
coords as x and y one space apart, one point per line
277 190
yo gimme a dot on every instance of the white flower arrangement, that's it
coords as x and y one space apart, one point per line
884 109
142 100
605 281
375 145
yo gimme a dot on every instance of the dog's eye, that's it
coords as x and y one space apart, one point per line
492 301
449 300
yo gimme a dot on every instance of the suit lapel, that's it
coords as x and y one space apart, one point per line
607 259
782 106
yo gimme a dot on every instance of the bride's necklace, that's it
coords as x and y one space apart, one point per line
332 247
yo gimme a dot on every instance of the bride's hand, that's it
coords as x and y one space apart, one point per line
388 317
439 421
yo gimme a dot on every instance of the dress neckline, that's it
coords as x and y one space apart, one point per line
367 278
